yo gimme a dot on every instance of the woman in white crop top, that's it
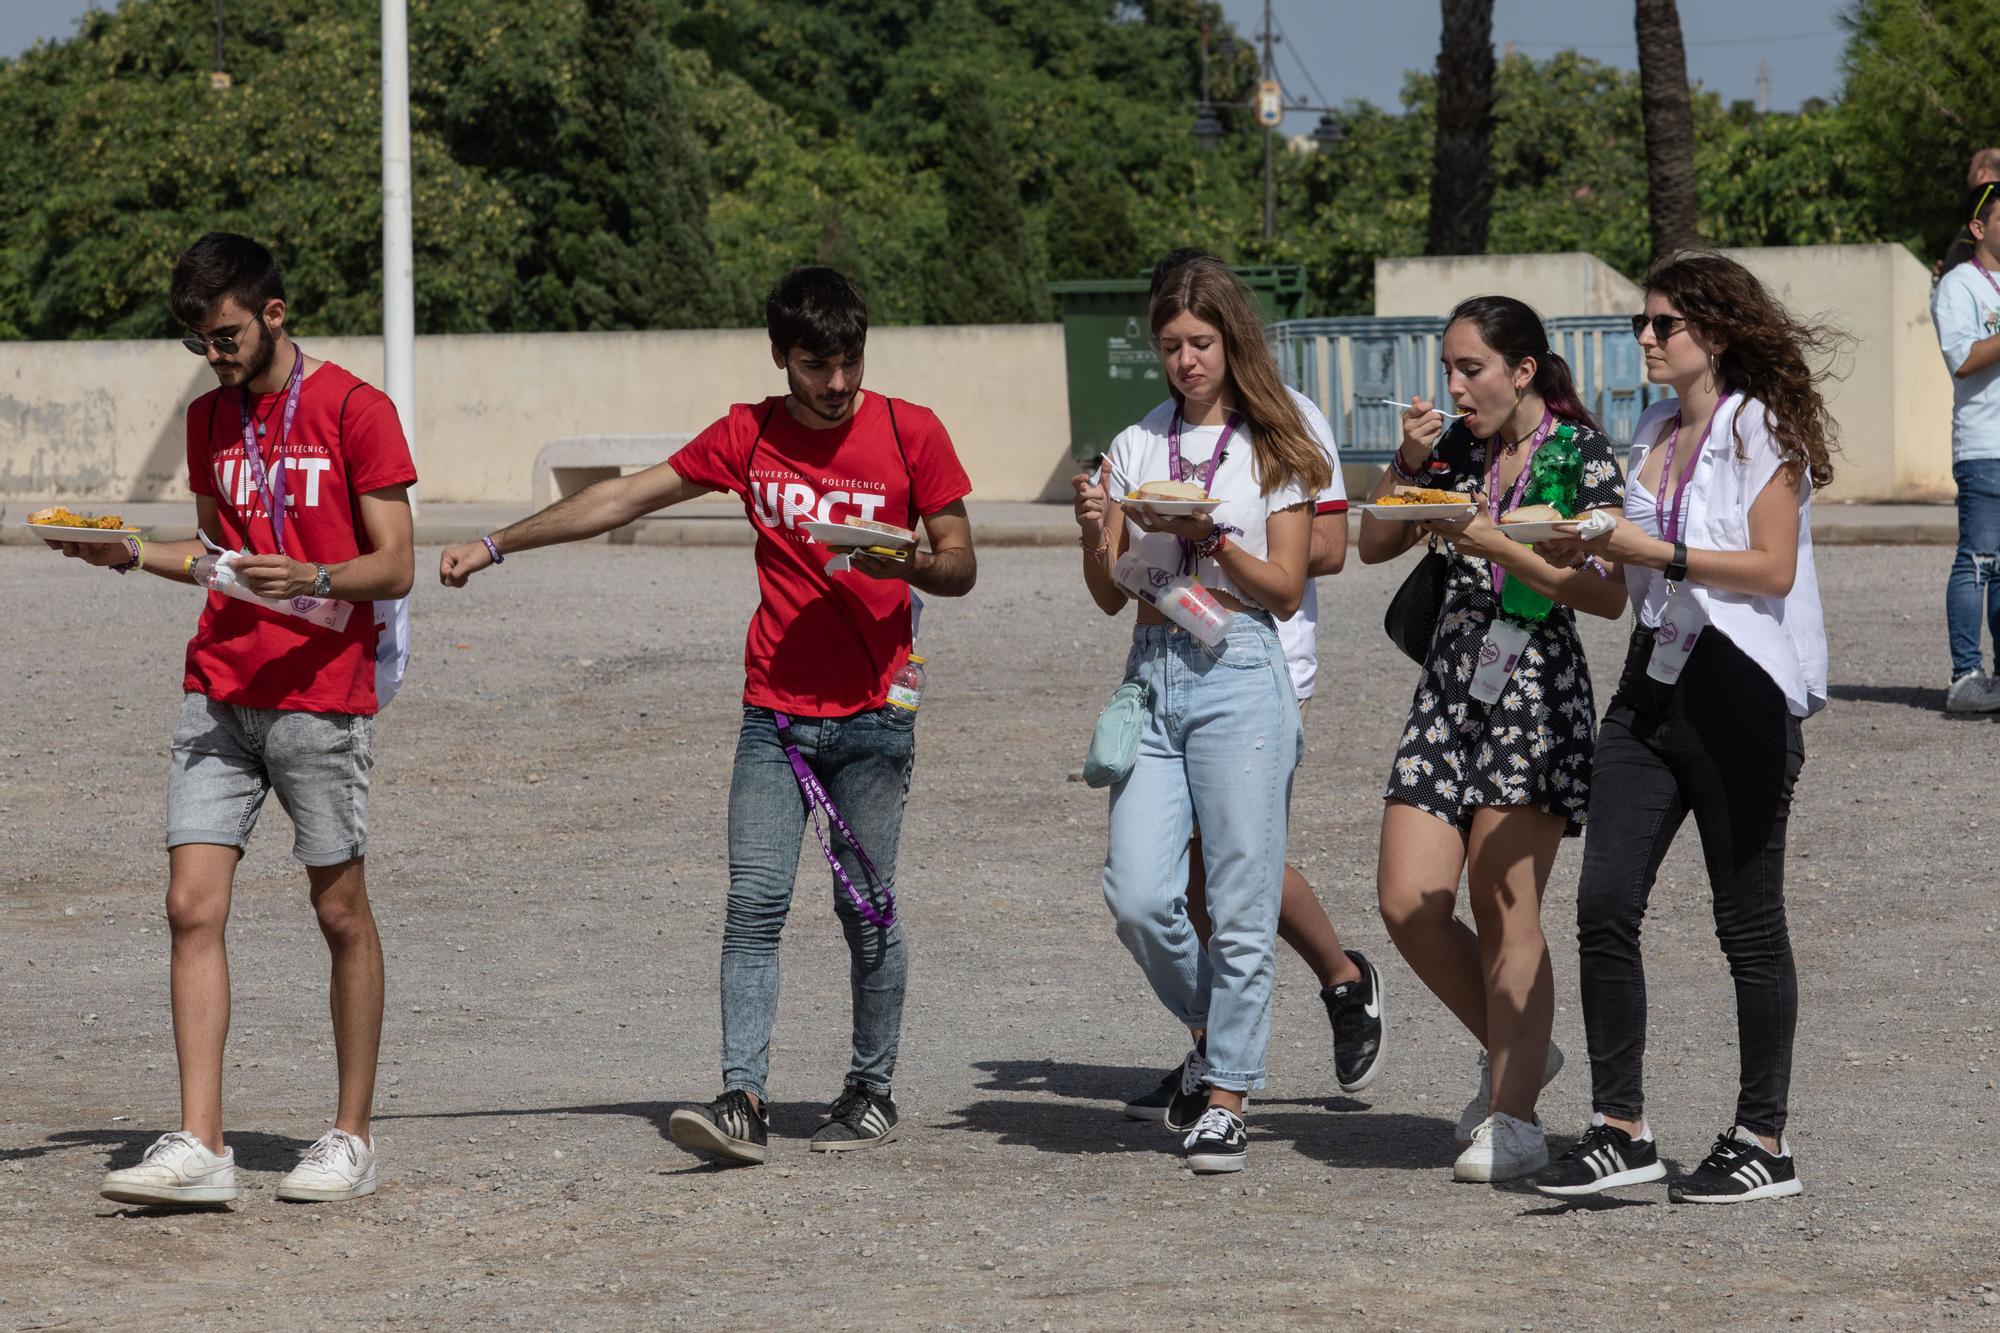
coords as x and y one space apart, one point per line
1220 735
1728 656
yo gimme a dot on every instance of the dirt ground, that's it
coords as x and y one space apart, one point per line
547 868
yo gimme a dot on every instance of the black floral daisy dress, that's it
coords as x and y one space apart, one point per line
1534 746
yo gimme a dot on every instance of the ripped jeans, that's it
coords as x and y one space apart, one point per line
1975 569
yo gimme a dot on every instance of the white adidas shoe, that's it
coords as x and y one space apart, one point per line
339 1166
176 1169
1502 1149
1481 1104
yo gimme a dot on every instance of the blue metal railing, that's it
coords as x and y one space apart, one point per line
1348 365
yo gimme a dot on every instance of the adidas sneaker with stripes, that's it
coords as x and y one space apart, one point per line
1737 1170
1605 1158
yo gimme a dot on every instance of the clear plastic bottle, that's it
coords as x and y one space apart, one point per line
906 687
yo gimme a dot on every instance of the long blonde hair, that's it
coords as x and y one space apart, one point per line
1279 441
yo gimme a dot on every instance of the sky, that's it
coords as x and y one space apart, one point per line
1341 50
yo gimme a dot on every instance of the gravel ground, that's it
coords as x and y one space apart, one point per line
548 874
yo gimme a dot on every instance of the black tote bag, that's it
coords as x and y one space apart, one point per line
1412 618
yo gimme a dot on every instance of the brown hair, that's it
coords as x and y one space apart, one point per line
1279 441
1765 351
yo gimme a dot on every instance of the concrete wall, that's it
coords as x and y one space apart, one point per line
1560 284
1893 398
103 421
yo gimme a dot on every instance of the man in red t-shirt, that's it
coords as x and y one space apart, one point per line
825 646
302 469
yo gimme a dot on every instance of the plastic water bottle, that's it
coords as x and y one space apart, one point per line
906 687
1178 597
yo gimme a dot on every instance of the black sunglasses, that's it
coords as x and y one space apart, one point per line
199 345
1664 326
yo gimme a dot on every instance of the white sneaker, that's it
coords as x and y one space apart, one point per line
1973 692
1481 1104
1502 1148
176 1169
338 1167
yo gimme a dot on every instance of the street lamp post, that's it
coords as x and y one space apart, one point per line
1270 107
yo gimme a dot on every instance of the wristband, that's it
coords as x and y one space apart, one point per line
1402 473
138 550
1209 547
1677 567
494 551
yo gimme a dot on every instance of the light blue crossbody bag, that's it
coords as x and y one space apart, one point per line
1114 741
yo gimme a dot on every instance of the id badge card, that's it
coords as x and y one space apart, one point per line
1498 656
1680 625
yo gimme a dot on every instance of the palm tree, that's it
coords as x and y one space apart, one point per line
1462 158
1663 85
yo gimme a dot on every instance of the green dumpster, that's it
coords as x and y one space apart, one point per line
1114 375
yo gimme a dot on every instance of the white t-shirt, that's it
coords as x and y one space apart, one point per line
1966 308
1140 455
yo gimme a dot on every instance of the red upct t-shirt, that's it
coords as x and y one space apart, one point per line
344 442
824 645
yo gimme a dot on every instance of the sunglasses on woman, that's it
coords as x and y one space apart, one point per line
1664 326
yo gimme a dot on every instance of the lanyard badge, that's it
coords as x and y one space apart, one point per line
270 480
1500 651
1203 476
1684 619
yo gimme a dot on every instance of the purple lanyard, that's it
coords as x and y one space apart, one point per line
816 800
1673 513
1202 476
1984 273
1520 482
270 482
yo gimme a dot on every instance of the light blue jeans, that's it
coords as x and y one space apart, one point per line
1974 585
1221 740
865 761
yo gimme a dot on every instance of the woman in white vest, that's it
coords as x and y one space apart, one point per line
1728 657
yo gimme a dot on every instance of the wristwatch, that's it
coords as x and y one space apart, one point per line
1677 567
322 582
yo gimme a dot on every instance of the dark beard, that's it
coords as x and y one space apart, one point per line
811 404
267 351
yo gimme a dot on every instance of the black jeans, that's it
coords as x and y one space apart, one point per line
1719 744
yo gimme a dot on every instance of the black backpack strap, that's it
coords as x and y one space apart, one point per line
909 477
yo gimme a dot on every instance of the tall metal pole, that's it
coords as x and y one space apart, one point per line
1270 172
399 312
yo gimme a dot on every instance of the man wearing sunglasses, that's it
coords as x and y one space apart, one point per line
303 469
1966 311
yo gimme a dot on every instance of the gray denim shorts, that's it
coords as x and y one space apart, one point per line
226 758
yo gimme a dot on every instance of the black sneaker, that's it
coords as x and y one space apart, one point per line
1603 1159
1355 1010
1190 1096
858 1118
1218 1143
728 1128
1738 1170
1153 1105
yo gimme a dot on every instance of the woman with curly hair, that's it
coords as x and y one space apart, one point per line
1728 656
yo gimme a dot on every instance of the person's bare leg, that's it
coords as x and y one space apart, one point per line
1416 885
1510 853
340 897
1302 922
199 877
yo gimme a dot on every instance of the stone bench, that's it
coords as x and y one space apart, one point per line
564 467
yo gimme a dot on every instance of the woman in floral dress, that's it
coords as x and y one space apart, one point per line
1488 791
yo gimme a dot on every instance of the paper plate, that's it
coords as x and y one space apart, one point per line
93 535
1527 533
848 538
1172 508
1417 513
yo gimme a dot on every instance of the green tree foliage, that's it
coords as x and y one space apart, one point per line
1922 95
643 163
